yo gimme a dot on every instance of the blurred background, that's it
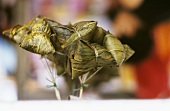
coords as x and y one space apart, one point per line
142 24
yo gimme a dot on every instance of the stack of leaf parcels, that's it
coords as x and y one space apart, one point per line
76 49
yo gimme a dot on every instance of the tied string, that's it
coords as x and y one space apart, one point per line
54 85
96 54
82 86
76 32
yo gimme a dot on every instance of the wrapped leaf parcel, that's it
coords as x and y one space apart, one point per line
75 48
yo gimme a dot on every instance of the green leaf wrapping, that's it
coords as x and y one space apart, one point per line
98 36
37 43
87 57
115 47
75 49
83 30
128 52
104 57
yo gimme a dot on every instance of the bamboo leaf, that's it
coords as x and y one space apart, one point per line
128 52
83 30
37 43
115 47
